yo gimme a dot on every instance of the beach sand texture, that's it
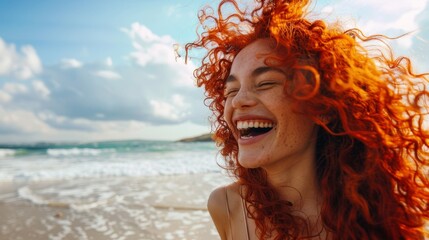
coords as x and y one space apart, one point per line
153 207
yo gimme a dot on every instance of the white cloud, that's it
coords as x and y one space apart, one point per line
10 89
66 123
68 63
394 6
393 19
22 65
175 109
107 74
327 9
111 130
41 89
164 110
150 47
70 105
4 97
109 62
21 121
405 22
15 88
125 130
30 91
376 17
139 31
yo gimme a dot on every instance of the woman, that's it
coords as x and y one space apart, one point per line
327 140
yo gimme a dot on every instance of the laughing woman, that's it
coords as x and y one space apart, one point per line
326 139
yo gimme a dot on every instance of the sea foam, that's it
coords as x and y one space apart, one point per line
78 152
76 163
6 152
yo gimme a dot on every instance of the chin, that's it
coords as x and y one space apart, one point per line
249 162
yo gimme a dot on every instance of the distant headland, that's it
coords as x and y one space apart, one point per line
201 138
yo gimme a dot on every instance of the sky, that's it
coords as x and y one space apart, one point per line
106 69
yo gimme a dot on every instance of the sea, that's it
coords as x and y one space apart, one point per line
65 161
135 189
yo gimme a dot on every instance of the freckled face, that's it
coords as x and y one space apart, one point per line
258 112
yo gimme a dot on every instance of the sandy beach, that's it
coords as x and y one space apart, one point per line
152 207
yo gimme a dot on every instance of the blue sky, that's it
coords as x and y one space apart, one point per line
104 69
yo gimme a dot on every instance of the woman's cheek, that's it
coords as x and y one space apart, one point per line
227 114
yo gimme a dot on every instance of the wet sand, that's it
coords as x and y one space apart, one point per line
158 207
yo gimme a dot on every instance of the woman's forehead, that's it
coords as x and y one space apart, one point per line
258 47
254 54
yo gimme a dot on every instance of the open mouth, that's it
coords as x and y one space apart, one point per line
253 128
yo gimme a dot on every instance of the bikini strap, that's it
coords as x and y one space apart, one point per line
243 204
228 211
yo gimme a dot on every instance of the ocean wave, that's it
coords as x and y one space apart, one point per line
21 170
30 195
43 163
4 152
56 152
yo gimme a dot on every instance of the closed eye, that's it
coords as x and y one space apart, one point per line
230 92
266 84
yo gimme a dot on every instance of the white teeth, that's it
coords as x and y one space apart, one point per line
253 124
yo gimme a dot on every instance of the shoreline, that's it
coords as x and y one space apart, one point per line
150 207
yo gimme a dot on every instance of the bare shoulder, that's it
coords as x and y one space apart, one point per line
218 198
217 205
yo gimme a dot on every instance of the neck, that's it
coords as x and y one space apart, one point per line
297 183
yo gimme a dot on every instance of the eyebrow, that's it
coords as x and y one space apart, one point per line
258 71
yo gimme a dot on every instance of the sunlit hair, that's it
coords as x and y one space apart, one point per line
372 154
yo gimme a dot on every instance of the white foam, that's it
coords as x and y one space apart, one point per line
75 199
41 168
81 233
27 194
4 152
121 208
65 227
77 151
88 206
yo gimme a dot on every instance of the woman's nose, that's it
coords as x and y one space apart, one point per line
244 98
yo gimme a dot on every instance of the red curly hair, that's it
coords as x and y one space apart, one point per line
372 156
